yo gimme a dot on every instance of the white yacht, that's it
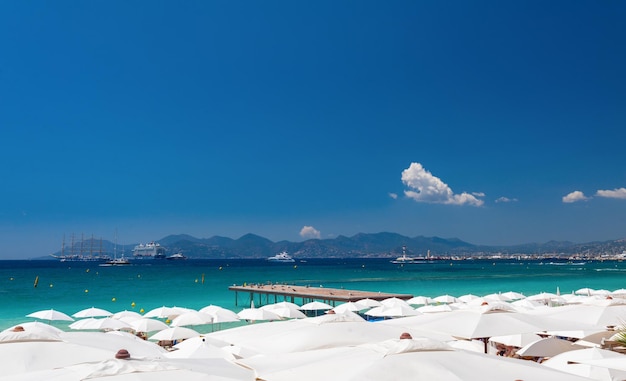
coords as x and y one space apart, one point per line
281 257
404 260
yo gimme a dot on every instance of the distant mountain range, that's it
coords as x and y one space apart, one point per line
359 245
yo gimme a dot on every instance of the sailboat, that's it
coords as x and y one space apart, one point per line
116 261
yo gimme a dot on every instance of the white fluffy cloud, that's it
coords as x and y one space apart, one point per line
615 193
393 195
505 199
309 232
575 196
428 188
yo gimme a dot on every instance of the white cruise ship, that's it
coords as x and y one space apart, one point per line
149 250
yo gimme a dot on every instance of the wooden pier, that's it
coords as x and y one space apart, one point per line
306 293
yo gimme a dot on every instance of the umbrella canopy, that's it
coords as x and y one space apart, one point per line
514 295
92 312
198 347
145 370
349 306
518 340
220 314
36 326
598 315
50 315
166 312
367 302
304 335
148 325
174 333
282 304
547 298
288 313
257 314
434 308
467 298
37 355
392 302
392 311
398 360
337 317
191 318
548 347
584 291
419 300
573 362
445 299
12 336
105 323
471 324
497 297
316 306
125 313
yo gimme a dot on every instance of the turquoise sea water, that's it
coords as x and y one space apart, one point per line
72 286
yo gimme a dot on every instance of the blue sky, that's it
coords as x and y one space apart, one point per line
476 120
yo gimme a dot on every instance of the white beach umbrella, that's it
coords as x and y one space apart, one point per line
21 357
584 291
191 318
620 293
125 313
174 333
148 325
13 336
50 315
445 299
470 324
104 323
198 347
601 316
36 326
601 292
547 298
220 314
367 302
419 301
257 314
337 317
547 347
112 341
166 312
572 362
497 297
349 306
305 335
392 302
468 345
316 306
435 308
283 304
211 369
517 340
288 313
92 312
594 339
527 304
514 295
392 311
398 360
467 298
